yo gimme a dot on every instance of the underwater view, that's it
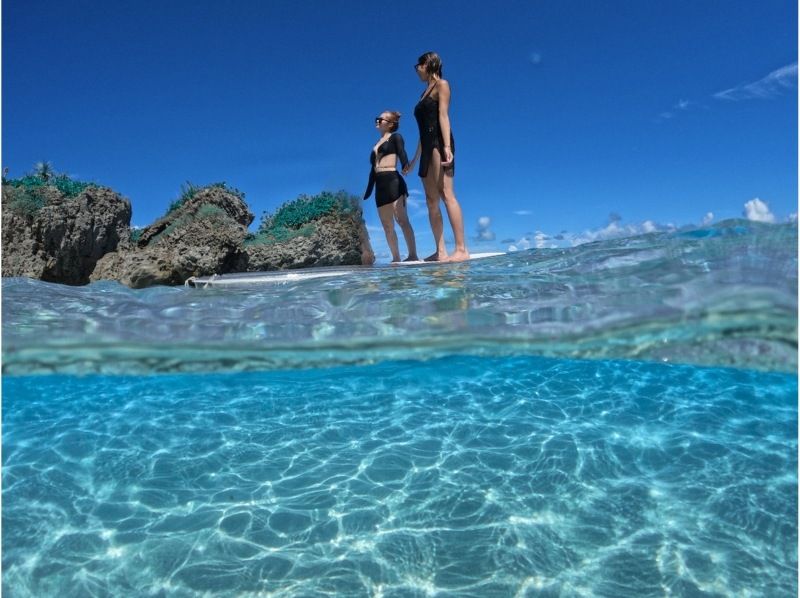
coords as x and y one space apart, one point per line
613 419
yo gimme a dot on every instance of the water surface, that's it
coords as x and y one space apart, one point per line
617 419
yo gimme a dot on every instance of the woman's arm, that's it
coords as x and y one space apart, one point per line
407 169
400 148
444 119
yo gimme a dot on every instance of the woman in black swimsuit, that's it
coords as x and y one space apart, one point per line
437 165
390 188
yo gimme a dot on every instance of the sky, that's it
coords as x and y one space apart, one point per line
573 120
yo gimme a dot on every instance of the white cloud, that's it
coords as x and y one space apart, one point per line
610 231
484 233
541 240
523 212
521 245
615 230
414 204
681 105
793 217
415 192
758 211
768 87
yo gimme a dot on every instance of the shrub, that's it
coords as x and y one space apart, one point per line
206 210
306 209
62 182
189 190
26 194
24 201
279 235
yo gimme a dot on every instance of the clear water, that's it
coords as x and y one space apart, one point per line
544 424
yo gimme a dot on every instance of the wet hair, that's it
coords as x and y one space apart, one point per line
396 119
432 63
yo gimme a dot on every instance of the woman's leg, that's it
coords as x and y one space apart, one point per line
401 215
432 184
455 216
386 214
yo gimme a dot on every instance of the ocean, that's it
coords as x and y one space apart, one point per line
613 419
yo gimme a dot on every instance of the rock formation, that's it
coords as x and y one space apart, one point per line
86 236
61 238
334 240
202 236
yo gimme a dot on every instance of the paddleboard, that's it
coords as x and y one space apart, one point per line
251 278
245 279
472 257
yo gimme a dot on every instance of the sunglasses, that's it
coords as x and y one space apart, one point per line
378 120
420 65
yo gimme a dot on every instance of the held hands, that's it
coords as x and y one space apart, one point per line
409 166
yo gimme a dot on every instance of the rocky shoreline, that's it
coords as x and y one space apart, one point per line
79 237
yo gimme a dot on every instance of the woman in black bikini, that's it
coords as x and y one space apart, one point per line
437 166
391 191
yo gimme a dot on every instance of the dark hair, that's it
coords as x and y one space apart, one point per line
396 122
432 63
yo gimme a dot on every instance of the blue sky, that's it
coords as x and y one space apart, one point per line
572 119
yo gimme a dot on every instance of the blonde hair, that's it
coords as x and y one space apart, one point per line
396 122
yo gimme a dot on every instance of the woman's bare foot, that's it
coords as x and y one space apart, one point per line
458 256
436 257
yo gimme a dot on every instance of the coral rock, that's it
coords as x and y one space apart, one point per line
63 240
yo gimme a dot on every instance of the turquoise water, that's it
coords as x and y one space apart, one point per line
552 423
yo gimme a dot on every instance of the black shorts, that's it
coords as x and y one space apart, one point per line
389 187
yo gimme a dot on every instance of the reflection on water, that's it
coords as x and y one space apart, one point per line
722 296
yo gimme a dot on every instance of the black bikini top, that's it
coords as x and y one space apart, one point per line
393 145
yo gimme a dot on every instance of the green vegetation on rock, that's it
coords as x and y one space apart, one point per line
206 210
23 201
62 182
189 190
280 235
296 218
28 194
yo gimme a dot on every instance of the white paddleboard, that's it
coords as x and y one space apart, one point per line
251 278
472 257
245 279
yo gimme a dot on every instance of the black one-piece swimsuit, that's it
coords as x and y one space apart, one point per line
430 133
